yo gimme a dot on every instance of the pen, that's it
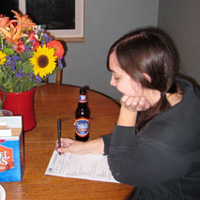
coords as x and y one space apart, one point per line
59 133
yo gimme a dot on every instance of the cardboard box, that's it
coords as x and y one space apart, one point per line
11 149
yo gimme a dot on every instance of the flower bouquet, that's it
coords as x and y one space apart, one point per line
28 56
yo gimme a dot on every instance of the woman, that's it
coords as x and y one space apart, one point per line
155 144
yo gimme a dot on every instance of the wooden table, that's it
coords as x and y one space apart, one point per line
53 102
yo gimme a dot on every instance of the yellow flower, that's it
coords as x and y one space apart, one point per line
44 61
2 58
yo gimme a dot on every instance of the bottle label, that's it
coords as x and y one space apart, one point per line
82 127
82 98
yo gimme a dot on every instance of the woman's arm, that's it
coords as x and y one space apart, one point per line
143 160
127 117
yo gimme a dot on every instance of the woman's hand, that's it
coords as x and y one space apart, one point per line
95 146
129 109
70 146
135 103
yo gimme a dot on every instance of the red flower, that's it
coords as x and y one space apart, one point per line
31 36
35 45
19 47
59 50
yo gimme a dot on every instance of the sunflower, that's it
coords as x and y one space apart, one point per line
44 61
2 58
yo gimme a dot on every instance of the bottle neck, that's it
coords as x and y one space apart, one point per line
82 105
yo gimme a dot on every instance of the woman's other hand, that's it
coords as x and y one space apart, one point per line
135 103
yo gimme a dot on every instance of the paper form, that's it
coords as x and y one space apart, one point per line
89 166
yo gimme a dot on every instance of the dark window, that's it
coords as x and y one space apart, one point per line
7 5
48 14
52 14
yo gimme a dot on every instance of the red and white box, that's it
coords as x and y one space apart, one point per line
11 149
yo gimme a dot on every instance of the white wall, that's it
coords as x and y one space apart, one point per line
181 19
105 21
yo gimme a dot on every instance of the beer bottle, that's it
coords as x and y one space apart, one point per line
82 117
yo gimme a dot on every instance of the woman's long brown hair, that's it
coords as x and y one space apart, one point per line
150 51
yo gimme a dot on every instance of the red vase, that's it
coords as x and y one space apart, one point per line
21 103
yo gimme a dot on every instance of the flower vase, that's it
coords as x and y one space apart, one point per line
21 103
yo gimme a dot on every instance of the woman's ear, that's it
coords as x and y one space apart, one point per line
147 77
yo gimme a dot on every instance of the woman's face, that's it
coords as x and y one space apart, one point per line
121 80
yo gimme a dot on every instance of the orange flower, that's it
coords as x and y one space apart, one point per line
14 32
59 50
24 20
12 35
4 21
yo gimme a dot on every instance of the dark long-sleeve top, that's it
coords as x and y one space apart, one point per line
163 159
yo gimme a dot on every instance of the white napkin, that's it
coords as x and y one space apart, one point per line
2 193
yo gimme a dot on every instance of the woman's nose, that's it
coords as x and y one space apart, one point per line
112 82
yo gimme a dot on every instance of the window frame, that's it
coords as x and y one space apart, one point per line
75 35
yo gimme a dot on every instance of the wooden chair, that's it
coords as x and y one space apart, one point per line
59 77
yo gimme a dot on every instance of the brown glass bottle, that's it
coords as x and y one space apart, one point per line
82 117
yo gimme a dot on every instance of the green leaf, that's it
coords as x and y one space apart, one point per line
28 68
8 51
